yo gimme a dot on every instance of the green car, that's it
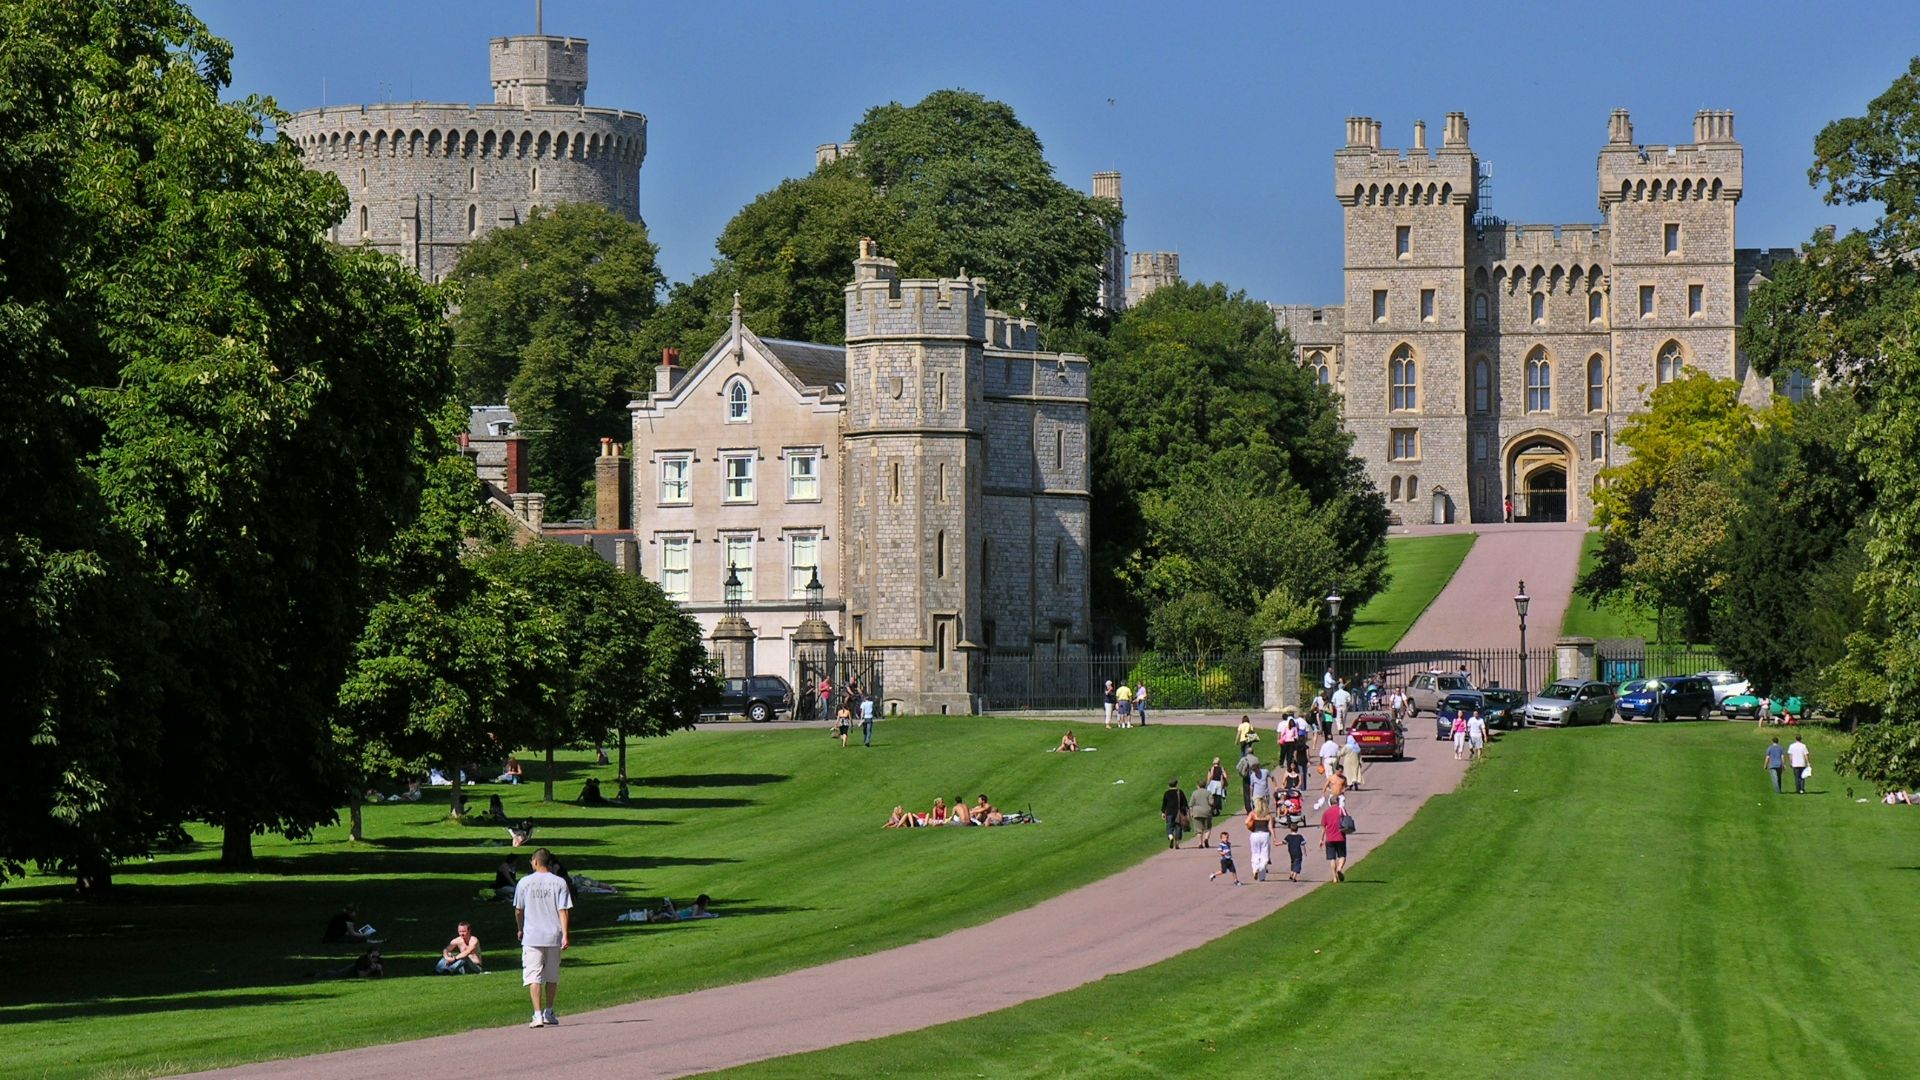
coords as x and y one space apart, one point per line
1747 707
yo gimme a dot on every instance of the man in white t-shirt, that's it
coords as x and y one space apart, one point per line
1476 735
1342 701
541 908
1398 704
1798 758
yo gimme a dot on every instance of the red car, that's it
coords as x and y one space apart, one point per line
1379 736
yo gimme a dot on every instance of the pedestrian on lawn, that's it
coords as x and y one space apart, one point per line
1140 704
542 903
1245 767
1334 838
1106 702
843 722
1226 859
1476 735
1200 811
461 955
1260 840
1123 704
1173 807
1802 762
1776 761
1459 736
866 719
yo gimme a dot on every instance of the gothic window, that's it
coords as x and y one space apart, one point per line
473 221
1480 309
363 223
1413 488
1597 446
1596 306
1795 386
1538 307
1403 380
1539 381
473 178
1317 361
1393 489
1596 383
1482 385
1669 363
739 401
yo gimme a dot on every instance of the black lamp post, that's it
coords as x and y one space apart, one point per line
1520 602
816 595
1333 615
732 585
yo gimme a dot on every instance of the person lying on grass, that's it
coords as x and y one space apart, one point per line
341 929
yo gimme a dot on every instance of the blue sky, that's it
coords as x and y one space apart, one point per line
1224 117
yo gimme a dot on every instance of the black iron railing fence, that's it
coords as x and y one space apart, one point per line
1174 681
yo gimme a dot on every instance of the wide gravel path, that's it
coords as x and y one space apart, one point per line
1475 610
1154 910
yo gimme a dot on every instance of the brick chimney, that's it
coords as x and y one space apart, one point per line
516 448
609 486
668 374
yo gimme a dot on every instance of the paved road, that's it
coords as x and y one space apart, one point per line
1475 610
1144 914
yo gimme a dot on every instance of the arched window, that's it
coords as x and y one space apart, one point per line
1596 383
363 223
1317 363
1413 488
940 553
1539 381
1596 306
1403 379
473 220
1538 307
473 178
1668 365
1482 385
1480 309
1393 490
739 402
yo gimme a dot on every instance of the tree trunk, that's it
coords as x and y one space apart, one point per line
236 846
549 772
356 825
453 801
623 764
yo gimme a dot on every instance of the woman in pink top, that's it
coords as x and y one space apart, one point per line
1335 839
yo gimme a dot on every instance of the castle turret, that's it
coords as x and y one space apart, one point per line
539 70
1113 272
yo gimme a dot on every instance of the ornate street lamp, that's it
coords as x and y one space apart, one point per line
1520 602
816 595
733 590
1333 615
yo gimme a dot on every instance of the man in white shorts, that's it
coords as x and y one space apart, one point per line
541 903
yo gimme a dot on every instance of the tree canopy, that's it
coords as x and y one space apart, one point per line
1226 492
551 319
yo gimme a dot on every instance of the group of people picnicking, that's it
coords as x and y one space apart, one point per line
982 812
1124 705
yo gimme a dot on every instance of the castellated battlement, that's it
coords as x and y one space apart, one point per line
1709 169
1011 333
1579 241
1367 174
882 304
538 70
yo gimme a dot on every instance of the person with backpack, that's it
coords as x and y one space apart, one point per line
1174 808
1245 767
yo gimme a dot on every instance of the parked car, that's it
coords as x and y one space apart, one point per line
1740 706
1568 703
1667 698
1379 735
1727 684
1429 689
758 697
1499 707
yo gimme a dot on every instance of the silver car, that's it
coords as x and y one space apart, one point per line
1726 684
1566 703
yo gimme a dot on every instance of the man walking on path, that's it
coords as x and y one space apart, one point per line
541 906
1335 839
1245 767
1342 701
1802 765
1244 735
1776 760
866 720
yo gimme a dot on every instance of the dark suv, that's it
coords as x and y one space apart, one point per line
1668 698
759 697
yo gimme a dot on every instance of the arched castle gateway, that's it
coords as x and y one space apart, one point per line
1480 361
428 179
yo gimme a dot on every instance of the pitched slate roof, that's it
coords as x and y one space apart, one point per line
811 363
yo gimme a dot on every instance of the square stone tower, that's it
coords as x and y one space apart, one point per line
912 445
1408 216
1670 212
539 69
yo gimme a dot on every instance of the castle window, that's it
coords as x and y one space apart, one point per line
1696 299
1393 489
1596 383
1403 240
1646 301
986 571
1413 488
1404 445
1597 446
676 567
1669 364
1539 382
739 477
1059 448
940 553
1379 305
533 178
1480 309
1538 307
473 178
363 179
940 382
803 476
1670 238
1482 385
1596 306
942 637
1795 386
1426 305
1059 562
740 562
363 223
1403 378
473 221
739 398
943 481
894 484
1480 446
1317 361
676 479
803 561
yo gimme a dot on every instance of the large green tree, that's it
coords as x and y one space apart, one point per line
551 318
955 182
214 412
1226 491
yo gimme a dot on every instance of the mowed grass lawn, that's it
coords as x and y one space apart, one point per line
188 967
1599 902
1585 619
1419 567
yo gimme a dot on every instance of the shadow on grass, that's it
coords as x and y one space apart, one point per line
703 780
132 1006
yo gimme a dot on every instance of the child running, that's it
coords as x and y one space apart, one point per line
1226 859
1296 849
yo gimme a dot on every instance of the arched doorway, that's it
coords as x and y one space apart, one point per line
1537 468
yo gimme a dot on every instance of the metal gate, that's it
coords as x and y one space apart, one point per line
849 676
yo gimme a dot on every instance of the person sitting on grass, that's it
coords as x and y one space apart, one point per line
900 819
984 813
590 793
341 929
513 772
938 815
520 832
962 813
496 810
461 955
1068 743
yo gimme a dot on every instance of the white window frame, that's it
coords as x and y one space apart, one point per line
728 481
684 482
676 581
1412 447
744 413
730 543
812 456
798 572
